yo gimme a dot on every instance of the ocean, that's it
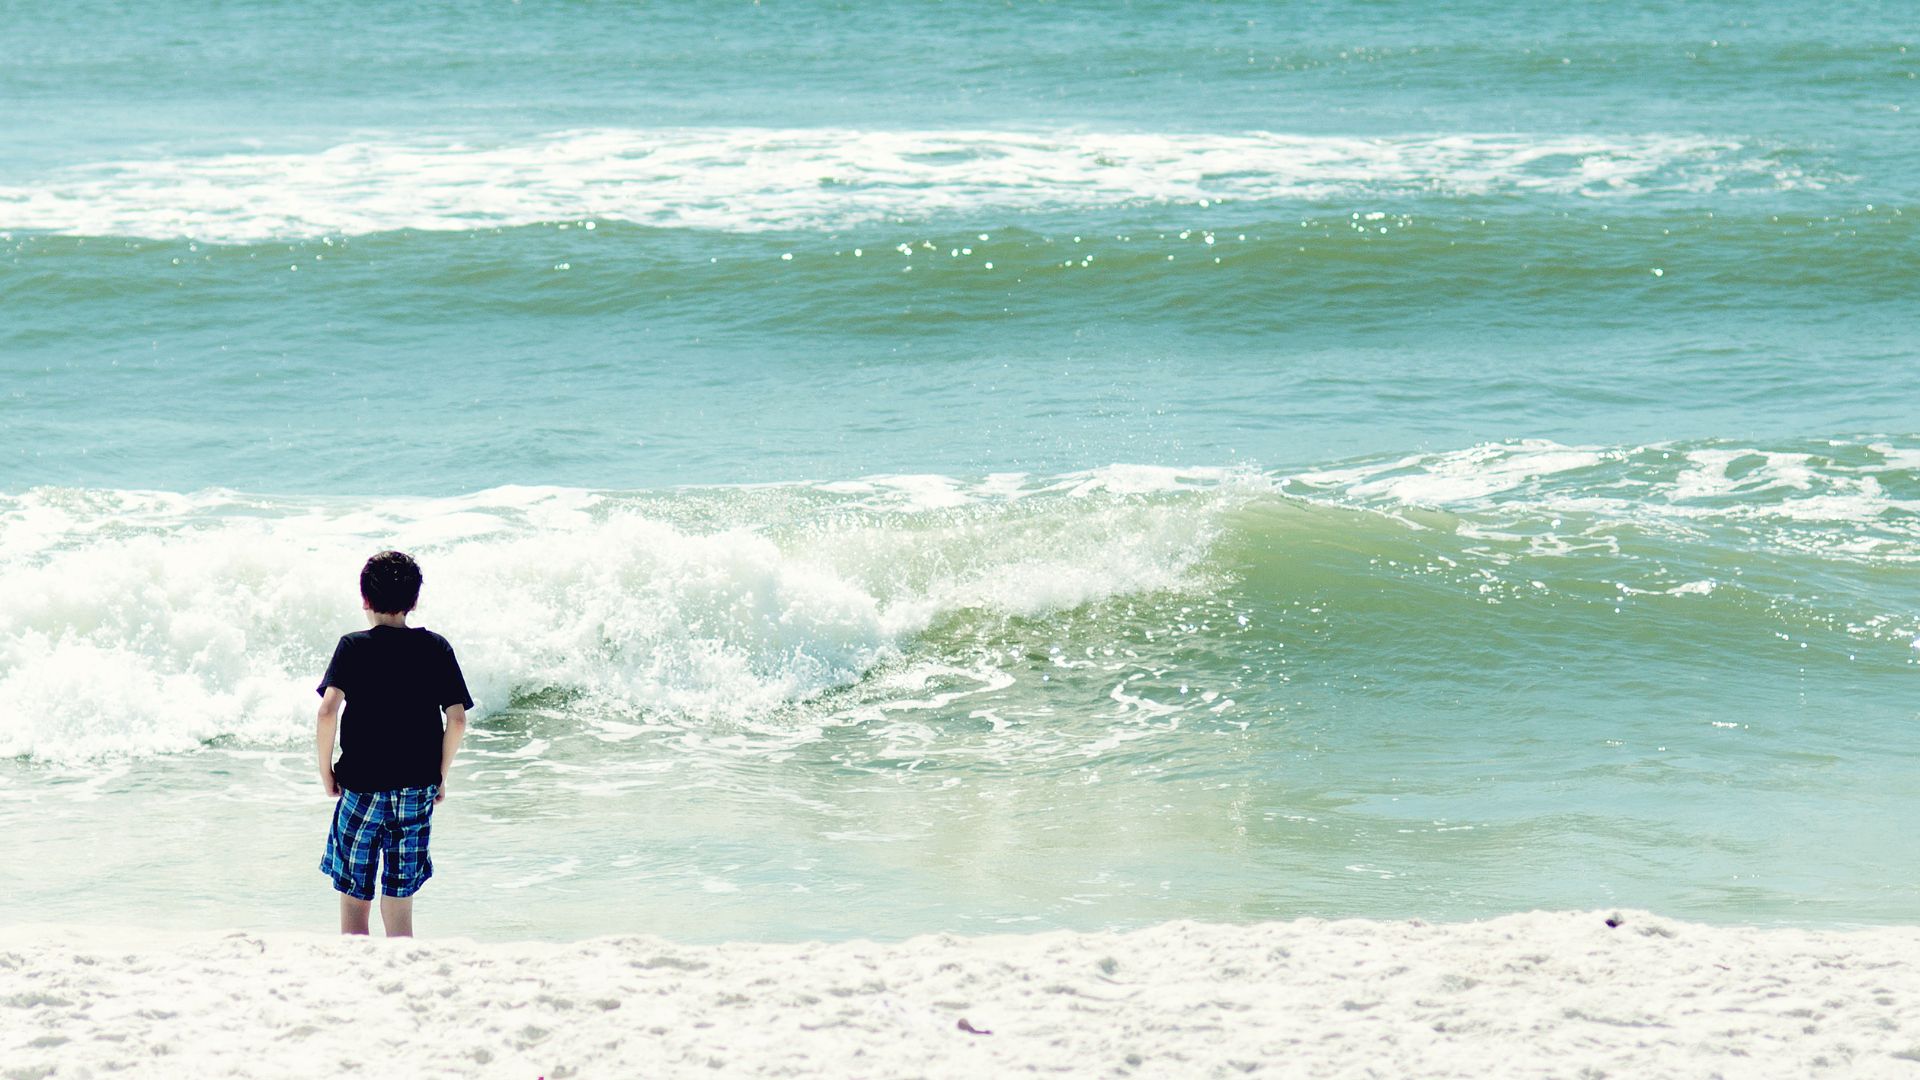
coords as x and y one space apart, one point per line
891 468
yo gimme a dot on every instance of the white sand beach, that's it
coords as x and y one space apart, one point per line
1541 994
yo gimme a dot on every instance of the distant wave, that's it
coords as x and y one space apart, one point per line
754 179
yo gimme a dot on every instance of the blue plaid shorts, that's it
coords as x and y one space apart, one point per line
384 827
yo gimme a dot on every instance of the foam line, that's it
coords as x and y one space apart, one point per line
744 179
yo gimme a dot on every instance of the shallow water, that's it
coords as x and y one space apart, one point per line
904 470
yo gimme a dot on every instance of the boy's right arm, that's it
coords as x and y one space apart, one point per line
327 723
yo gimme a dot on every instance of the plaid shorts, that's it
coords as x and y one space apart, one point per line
388 827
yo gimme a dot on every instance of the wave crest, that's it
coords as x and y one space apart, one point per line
144 624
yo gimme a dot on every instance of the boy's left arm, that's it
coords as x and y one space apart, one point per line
325 725
450 745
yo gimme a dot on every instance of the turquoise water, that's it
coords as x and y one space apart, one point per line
899 468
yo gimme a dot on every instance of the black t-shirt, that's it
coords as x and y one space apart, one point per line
396 680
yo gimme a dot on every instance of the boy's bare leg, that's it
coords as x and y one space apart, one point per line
396 914
353 914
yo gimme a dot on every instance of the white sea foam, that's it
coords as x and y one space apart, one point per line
1461 475
753 179
1847 500
1700 482
142 623
1708 474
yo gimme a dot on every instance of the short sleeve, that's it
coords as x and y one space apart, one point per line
336 669
454 692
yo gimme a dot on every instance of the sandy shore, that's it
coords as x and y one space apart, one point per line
1560 994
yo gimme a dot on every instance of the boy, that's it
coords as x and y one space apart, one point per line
394 753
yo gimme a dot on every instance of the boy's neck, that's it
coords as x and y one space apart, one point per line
387 618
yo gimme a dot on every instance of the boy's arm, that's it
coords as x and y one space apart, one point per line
328 722
450 745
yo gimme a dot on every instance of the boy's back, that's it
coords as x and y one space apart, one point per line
395 680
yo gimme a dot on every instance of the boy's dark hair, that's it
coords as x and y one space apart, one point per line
390 583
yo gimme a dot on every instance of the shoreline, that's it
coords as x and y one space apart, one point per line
1559 993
